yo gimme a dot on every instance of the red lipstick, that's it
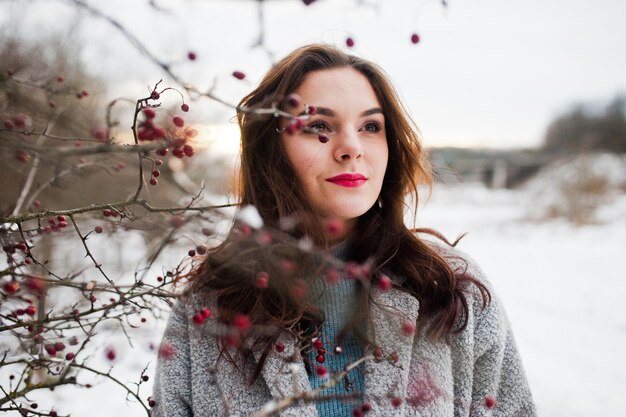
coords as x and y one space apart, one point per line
348 180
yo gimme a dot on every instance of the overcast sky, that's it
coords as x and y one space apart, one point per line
485 73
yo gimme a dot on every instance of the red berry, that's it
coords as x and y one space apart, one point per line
384 282
62 224
332 275
158 132
49 347
242 322
206 313
155 95
156 173
280 347
239 75
149 112
317 343
349 42
262 280
145 378
320 358
323 138
191 252
184 107
69 356
151 402
490 402
98 229
11 287
153 181
335 226
20 120
293 100
22 156
321 371
396 402
311 110
201 249
378 353
53 413
191 55
408 328
188 150
393 358
110 354
198 318
61 218
366 407
179 121
100 134
59 346
161 152
30 310
415 38
357 412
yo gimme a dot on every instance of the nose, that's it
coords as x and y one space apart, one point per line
348 146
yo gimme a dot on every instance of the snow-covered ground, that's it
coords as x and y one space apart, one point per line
563 287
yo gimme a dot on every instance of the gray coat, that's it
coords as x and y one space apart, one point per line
460 378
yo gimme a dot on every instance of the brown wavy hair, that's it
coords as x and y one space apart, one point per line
380 239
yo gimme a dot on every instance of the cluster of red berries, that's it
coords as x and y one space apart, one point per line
20 121
201 316
392 358
53 348
11 248
29 310
54 225
321 352
362 410
110 213
200 250
147 130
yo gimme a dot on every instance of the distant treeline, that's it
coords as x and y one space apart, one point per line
585 129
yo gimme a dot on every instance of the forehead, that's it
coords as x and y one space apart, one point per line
336 88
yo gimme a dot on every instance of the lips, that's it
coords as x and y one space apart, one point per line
348 180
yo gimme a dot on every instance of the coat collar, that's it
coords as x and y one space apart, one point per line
390 309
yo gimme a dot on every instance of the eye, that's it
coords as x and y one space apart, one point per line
372 127
319 126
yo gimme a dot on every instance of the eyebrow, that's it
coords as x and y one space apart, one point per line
325 111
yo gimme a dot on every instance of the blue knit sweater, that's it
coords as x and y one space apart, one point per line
338 302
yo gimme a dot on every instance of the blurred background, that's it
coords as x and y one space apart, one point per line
521 104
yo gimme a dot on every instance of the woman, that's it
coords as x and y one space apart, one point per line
335 307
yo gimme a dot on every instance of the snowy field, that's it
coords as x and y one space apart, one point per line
563 287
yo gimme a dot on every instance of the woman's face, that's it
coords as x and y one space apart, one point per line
342 178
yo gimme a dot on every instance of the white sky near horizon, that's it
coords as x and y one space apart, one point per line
486 73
